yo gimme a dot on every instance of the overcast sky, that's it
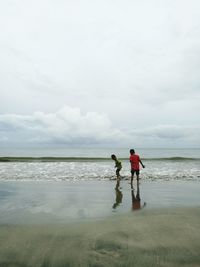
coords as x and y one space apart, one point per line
100 72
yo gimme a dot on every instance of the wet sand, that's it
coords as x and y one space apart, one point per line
65 202
168 237
78 224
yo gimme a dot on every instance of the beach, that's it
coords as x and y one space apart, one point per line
93 93
64 208
156 238
90 223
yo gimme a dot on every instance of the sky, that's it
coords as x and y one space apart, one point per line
100 73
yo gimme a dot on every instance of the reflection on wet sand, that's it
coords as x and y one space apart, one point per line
135 196
119 195
136 200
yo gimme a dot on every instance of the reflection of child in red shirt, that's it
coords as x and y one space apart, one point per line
135 164
136 202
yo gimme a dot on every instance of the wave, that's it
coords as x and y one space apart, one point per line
50 159
86 159
173 158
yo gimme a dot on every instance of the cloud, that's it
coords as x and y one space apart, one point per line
67 125
70 127
168 136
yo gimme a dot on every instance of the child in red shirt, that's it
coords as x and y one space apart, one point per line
135 164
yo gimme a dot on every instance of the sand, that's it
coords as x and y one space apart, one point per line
169 237
166 232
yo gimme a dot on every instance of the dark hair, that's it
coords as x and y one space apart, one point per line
132 151
113 156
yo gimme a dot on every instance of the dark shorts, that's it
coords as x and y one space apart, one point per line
135 171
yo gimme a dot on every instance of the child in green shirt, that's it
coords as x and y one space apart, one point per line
118 165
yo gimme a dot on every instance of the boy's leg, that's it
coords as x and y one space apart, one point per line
132 175
117 173
137 174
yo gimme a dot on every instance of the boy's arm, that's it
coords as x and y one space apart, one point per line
141 163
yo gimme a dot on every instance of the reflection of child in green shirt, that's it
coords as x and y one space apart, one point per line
118 165
119 197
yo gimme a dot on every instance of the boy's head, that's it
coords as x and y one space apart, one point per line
132 151
113 157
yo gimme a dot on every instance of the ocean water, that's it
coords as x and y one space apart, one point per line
75 164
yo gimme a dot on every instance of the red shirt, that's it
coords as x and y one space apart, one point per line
135 160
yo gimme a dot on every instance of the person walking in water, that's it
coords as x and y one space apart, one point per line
135 164
118 165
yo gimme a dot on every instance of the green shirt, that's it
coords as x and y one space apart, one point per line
118 164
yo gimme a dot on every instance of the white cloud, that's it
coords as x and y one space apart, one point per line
67 125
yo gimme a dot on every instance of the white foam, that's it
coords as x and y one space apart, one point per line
73 171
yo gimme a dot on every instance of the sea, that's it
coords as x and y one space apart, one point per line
81 164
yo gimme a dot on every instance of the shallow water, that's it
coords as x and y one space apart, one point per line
64 202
